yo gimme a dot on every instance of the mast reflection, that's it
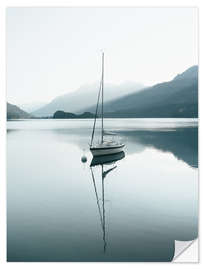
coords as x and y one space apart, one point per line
103 161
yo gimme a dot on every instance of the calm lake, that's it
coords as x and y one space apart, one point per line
129 209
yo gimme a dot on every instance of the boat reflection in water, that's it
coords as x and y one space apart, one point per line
103 161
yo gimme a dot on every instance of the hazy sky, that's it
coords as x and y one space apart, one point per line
51 51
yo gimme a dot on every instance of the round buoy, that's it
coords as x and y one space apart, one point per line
84 159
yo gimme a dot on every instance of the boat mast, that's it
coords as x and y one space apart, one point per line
103 208
97 198
98 98
102 109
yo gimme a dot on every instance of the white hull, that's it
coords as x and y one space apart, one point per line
106 150
107 159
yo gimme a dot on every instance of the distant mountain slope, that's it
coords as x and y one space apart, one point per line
191 73
14 112
86 96
176 98
30 107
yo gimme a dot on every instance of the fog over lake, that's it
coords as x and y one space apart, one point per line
130 209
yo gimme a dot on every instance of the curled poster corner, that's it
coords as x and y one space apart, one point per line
186 251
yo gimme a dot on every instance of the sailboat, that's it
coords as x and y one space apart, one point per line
104 147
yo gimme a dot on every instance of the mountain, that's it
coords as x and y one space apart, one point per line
67 115
14 112
30 107
191 73
86 96
176 98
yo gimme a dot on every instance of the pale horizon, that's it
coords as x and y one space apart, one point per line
54 51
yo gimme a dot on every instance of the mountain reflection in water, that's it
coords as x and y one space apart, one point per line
181 142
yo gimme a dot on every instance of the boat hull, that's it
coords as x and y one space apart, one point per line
107 159
106 150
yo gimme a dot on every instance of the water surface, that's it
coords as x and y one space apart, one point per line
60 209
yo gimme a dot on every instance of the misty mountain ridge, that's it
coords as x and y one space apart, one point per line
86 96
14 112
32 106
176 98
190 73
